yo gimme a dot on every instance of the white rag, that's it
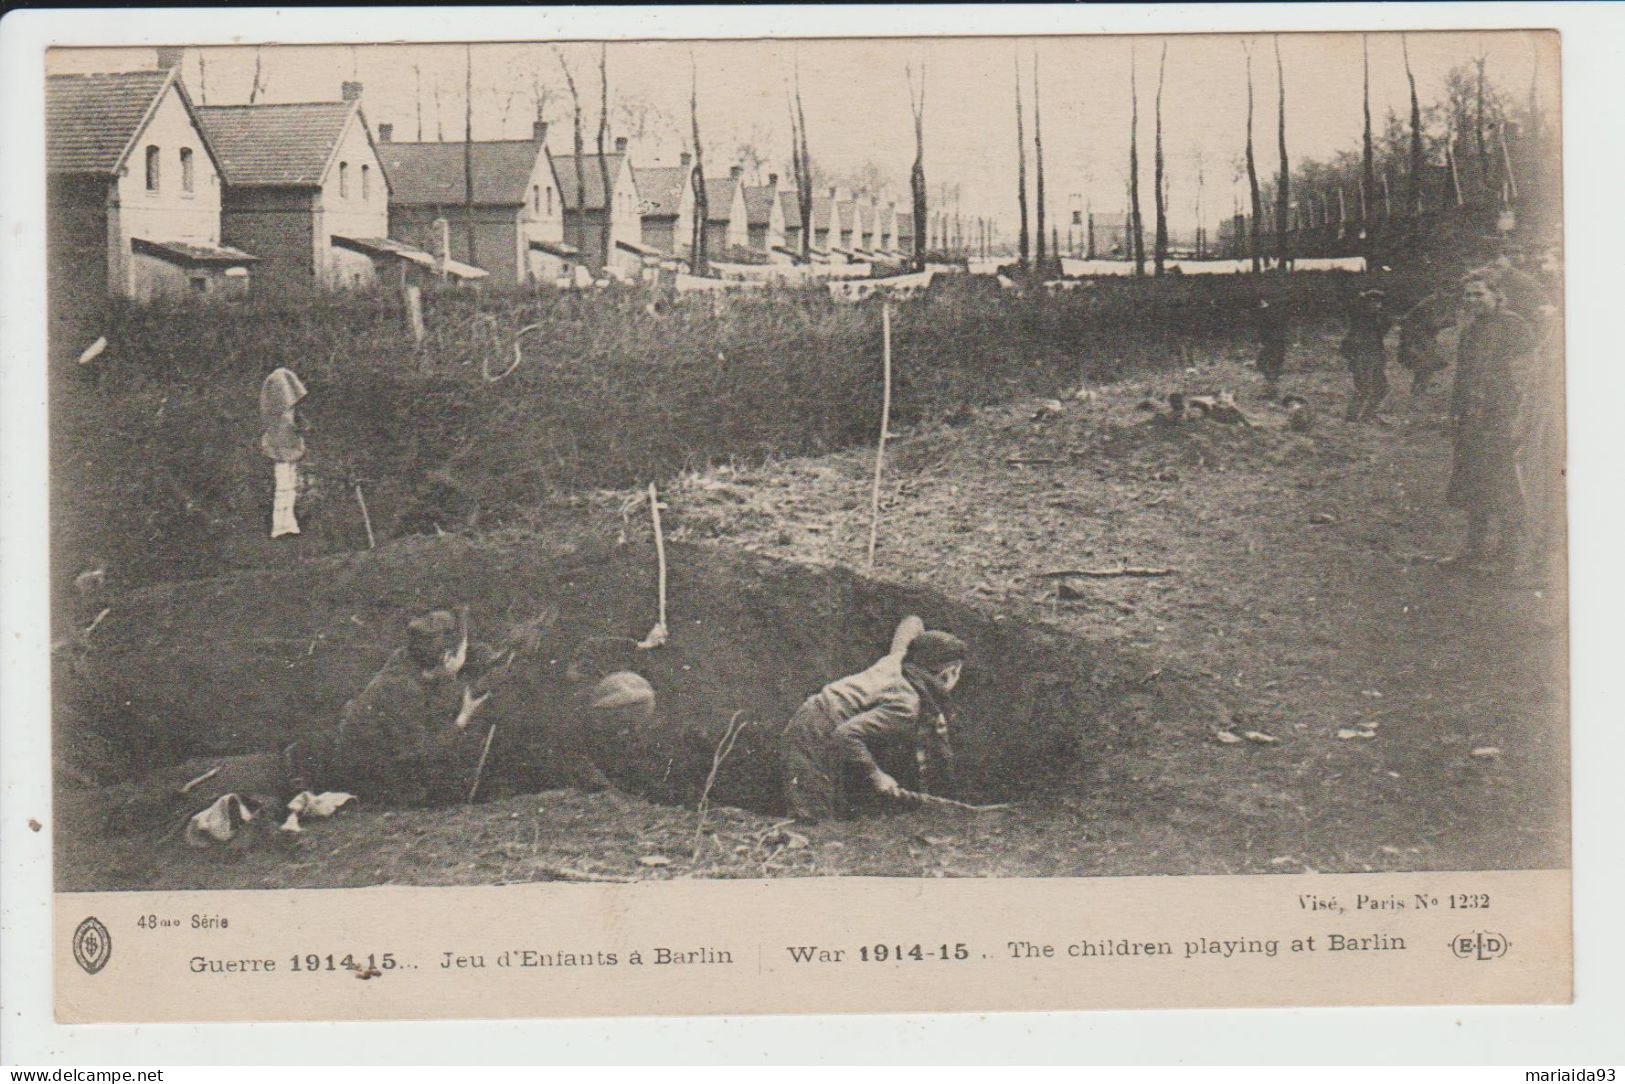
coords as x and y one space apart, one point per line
287 491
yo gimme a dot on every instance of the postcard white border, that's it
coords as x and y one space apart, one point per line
1588 1031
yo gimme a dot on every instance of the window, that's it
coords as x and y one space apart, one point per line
187 177
366 183
536 198
152 169
549 199
344 180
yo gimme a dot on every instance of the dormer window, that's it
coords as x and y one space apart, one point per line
188 178
153 164
344 180
366 183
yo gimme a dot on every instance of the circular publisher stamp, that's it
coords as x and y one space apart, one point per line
92 945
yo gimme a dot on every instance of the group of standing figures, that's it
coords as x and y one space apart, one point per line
1506 404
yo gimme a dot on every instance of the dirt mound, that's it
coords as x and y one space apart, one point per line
245 663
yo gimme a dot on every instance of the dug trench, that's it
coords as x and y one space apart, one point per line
246 663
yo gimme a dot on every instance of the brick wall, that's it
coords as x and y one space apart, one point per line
277 226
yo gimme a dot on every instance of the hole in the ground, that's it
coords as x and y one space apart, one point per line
243 664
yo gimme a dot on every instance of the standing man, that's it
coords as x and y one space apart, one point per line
1274 333
1367 355
1419 332
902 700
1484 408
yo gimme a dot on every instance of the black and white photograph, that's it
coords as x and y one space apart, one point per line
487 463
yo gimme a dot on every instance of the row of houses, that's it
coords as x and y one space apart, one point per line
151 194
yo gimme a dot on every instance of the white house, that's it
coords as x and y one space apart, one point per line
134 191
305 191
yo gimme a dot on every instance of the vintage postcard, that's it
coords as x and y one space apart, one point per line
555 528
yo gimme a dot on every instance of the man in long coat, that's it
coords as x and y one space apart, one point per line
1484 407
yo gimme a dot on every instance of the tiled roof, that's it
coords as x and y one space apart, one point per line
188 253
564 166
386 247
432 174
759 204
275 145
719 198
661 189
792 210
91 119
820 212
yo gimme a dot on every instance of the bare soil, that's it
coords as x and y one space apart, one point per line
1304 601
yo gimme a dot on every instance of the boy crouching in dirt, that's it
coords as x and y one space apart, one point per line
902 699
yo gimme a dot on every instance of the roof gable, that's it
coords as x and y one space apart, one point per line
433 174
759 204
592 176
719 198
791 202
661 189
92 121
282 146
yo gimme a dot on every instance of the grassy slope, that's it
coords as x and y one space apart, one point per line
1271 623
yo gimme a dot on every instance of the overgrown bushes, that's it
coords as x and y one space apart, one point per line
157 472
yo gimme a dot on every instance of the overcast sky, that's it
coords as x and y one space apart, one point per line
857 105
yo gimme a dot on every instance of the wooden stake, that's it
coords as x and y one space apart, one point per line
479 770
366 520
414 311
660 548
885 424
657 635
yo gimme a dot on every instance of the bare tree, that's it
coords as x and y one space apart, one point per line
202 78
1038 164
1136 221
1161 250
1283 181
702 209
1480 149
580 148
439 130
469 231
1201 180
916 176
1021 169
1414 207
417 75
603 157
804 193
259 69
1256 224
796 172
1368 169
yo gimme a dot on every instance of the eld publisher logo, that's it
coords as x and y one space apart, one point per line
92 945
1479 945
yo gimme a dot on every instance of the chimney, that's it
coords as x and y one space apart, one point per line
350 90
773 181
686 159
620 144
386 132
735 171
169 56
538 131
